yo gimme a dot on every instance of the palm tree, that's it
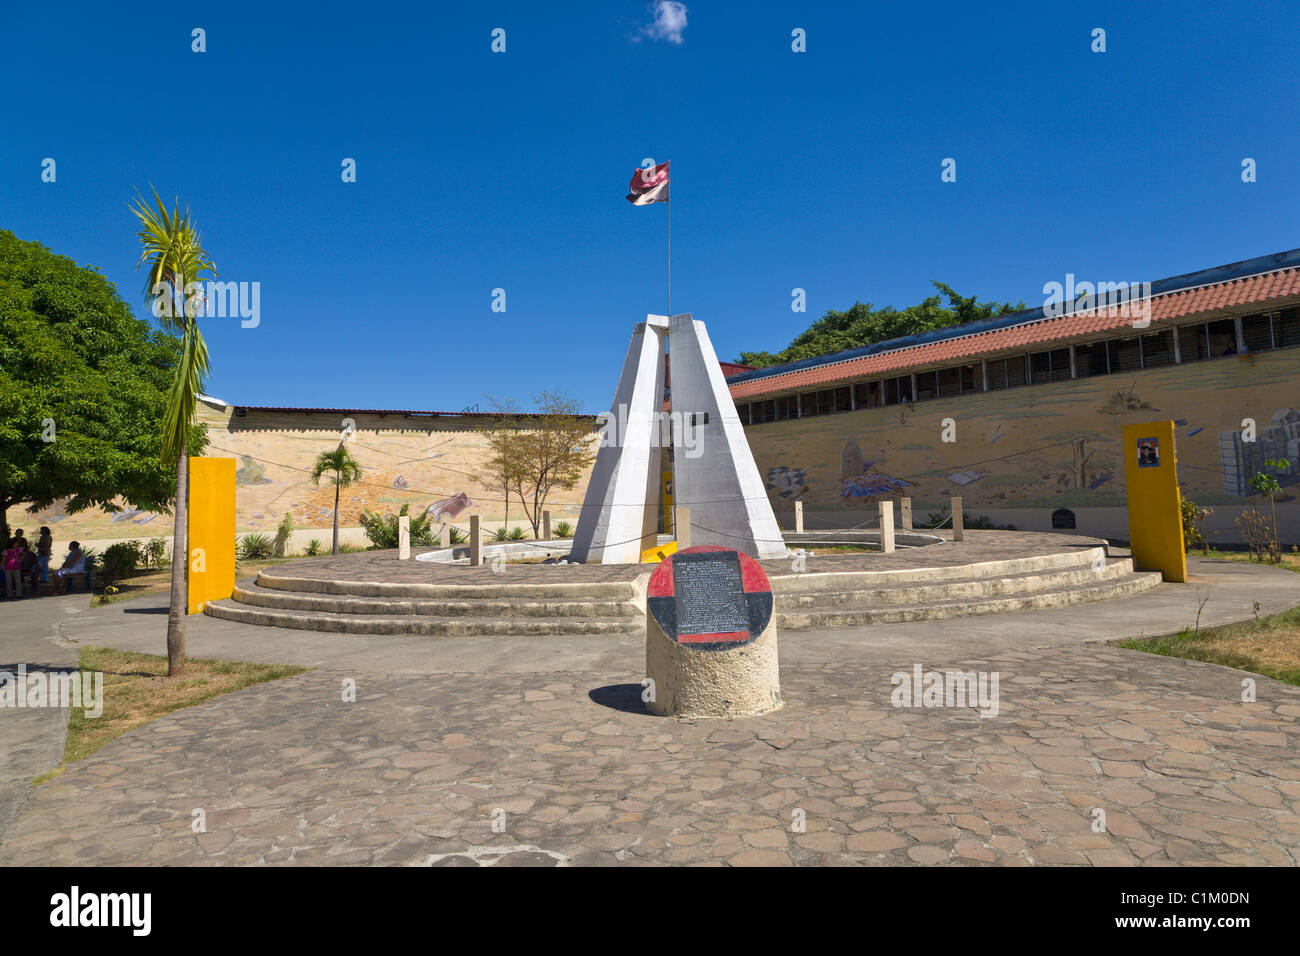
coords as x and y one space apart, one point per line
346 471
170 245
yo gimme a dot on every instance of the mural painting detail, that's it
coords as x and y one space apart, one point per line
1050 445
446 509
789 484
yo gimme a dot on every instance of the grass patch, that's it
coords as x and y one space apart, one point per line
1290 559
137 690
1267 645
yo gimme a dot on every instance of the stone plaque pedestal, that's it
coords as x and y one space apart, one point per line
711 645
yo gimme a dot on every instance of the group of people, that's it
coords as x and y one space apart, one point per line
23 566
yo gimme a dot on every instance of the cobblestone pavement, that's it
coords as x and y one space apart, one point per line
417 770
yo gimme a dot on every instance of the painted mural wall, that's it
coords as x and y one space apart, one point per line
426 463
1049 446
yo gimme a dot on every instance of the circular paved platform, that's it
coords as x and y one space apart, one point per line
384 566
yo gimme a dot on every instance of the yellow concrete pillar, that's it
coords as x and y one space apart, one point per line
1155 520
210 532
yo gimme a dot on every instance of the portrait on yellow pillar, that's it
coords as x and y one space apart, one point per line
1155 520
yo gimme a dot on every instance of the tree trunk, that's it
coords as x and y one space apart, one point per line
1276 548
336 516
180 570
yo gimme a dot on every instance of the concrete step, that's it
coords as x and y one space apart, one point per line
797 620
811 579
972 589
500 606
594 590
350 623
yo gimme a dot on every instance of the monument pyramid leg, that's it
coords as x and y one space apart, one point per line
715 475
620 512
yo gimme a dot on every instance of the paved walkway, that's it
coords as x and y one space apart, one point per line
447 732
31 739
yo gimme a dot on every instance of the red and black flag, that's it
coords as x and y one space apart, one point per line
649 185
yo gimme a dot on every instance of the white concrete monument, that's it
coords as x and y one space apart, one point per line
714 475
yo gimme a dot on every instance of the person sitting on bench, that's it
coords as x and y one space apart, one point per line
30 570
73 564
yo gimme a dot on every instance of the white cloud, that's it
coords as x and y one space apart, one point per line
670 21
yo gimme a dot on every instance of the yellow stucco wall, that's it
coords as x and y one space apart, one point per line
418 461
1015 448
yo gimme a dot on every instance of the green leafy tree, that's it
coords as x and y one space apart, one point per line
171 249
500 470
83 389
1263 483
543 451
346 471
864 324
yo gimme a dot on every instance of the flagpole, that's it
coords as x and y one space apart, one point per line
669 204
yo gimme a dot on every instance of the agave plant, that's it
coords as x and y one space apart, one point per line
256 547
516 534
563 530
500 534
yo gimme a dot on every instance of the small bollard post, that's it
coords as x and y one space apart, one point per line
475 542
403 538
905 514
444 536
546 526
958 526
798 517
682 525
887 527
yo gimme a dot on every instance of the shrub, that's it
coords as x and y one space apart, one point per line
517 534
256 547
351 548
382 529
500 534
282 532
121 559
1257 532
457 536
313 547
155 552
563 530
982 523
1194 526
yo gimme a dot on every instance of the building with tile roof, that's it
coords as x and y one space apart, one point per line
1037 398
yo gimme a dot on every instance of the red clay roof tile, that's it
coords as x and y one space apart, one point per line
1063 330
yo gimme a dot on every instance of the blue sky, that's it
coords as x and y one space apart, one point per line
475 171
